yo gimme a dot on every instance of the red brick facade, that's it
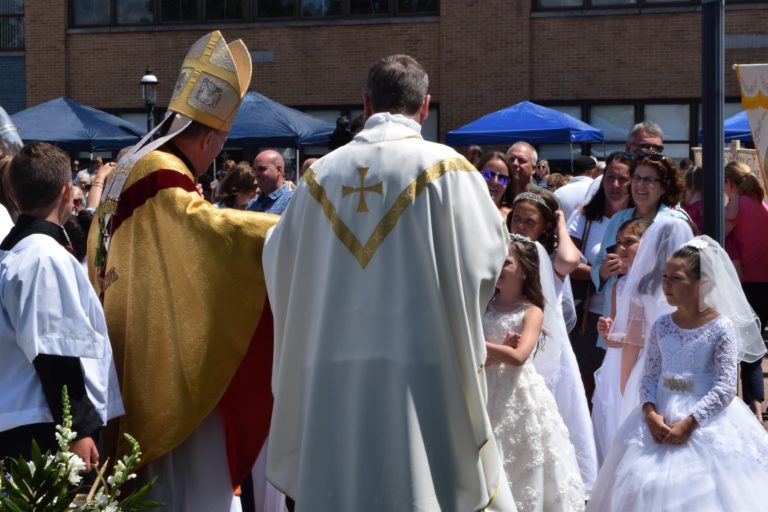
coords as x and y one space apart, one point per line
481 56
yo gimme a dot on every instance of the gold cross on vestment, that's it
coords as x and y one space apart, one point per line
376 187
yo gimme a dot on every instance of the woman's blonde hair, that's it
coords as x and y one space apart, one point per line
741 175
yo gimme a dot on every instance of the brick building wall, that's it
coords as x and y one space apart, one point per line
482 55
45 27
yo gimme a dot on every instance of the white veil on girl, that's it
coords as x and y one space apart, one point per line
720 290
546 359
643 299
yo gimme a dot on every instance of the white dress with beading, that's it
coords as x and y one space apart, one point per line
532 439
724 463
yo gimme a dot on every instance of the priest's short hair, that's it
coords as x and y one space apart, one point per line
397 84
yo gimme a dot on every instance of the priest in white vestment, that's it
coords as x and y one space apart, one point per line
378 274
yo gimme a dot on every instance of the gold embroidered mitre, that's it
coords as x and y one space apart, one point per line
213 80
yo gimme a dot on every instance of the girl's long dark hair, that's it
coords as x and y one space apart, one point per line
529 260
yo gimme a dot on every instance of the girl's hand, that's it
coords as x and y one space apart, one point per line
680 431
560 217
604 324
512 339
611 266
489 360
659 429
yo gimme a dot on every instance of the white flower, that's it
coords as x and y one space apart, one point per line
64 436
31 468
75 466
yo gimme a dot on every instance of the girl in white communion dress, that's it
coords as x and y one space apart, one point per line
536 215
538 457
607 399
690 446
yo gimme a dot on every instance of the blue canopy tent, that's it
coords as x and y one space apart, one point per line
75 127
524 121
264 122
735 127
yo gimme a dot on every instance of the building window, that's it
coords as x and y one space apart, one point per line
91 12
319 8
101 13
178 11
135 12
615 121
369 7
223 9
675 120
416 6
275 9
549 4
11 25
600 4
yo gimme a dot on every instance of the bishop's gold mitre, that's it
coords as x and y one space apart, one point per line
213 80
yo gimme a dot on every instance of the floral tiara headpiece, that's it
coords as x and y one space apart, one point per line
530 196
698 243
515 237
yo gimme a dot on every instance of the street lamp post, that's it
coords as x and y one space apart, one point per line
148 84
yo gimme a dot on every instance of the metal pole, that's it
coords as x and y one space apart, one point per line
150 117
712 97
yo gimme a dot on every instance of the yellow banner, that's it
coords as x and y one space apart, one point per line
753 79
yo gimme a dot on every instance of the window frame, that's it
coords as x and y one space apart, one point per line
250 14
587 5
20 37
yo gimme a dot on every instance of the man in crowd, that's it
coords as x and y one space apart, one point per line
378 276
574 194
646 136
522 157
96 164
83 181
184 295
274 193
474 154
542 171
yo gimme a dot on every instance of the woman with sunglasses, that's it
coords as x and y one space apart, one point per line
656 189
497 173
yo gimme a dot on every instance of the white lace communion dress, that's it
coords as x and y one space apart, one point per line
538 457
723 466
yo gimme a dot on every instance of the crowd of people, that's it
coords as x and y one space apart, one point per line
640 204
403 329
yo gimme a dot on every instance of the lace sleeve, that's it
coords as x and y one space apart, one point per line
725 374
652 368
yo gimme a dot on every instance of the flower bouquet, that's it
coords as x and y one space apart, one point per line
52 483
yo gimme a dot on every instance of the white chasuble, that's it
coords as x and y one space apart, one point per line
378 274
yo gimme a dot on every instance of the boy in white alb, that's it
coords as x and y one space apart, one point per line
52 328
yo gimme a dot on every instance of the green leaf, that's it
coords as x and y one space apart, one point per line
36 455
